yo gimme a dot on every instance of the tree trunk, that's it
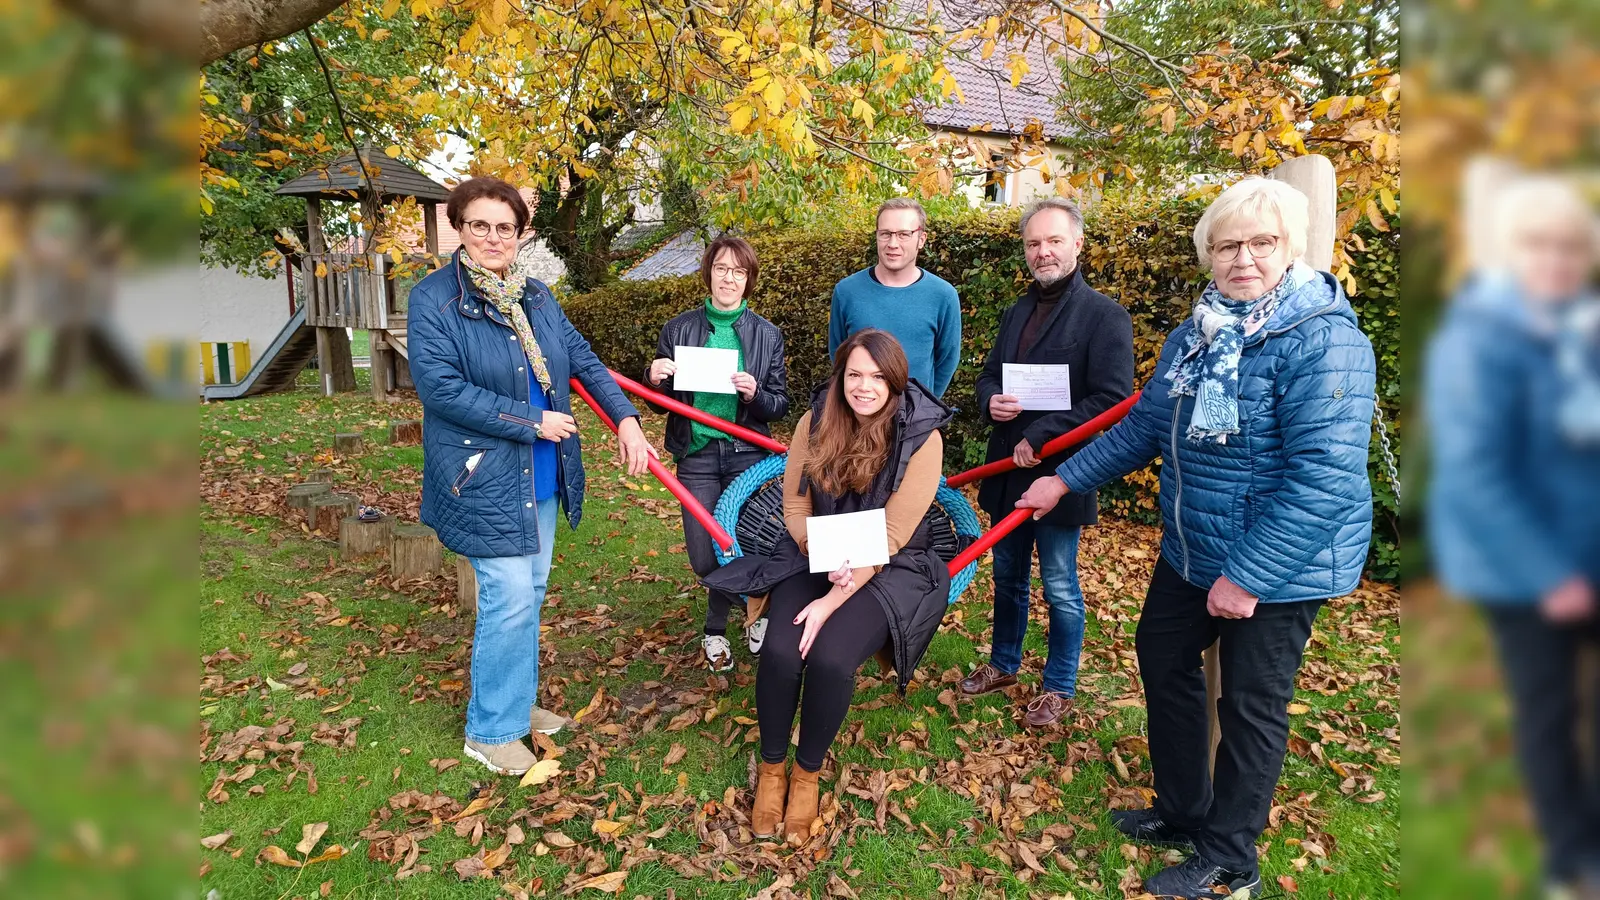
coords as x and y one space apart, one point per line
225 25
358 538
329 510
405 432
335 366
414 551
301 496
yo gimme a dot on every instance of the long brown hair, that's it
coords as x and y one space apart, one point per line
846 452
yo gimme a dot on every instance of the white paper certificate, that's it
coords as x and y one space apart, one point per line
1037 387
706 369
861 538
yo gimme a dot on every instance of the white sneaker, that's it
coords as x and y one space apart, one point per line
756 634
719 653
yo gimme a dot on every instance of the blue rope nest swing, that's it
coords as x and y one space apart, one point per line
751 510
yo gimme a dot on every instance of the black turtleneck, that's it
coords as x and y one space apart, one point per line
1045 297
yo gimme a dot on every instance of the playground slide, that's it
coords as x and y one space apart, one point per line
277 368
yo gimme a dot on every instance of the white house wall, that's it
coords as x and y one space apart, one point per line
236 307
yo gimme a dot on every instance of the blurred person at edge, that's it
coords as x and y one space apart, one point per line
1513 408
1260 409
492 358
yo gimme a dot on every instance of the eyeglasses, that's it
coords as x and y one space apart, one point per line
736 274
890 237
481 228
1261 247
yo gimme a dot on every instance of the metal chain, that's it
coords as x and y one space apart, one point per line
1388 453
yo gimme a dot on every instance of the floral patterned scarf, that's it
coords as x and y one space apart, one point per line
1207 368
506 295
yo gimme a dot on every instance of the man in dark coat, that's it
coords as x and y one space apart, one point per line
1060 321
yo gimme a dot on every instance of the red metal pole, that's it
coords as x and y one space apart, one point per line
670 481
989 539
1076 436
704 418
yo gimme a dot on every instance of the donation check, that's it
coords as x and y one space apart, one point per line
1037 387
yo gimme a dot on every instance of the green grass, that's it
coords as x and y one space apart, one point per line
622 616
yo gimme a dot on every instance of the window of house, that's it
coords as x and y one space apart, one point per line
994 187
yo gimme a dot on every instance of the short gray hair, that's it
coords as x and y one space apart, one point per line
1260 199
1039 206
902 203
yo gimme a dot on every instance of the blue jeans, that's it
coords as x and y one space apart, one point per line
505 639
1013 574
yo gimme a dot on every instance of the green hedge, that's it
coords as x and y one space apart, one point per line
1138 251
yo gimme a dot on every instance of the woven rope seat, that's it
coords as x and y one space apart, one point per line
751 510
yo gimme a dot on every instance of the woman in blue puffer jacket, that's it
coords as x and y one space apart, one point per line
492 355
1513 408
1260 410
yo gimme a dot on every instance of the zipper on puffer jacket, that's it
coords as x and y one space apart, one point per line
1177 500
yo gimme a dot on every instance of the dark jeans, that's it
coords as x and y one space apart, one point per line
1013 581
1225 813
1542 676
850 637
707 472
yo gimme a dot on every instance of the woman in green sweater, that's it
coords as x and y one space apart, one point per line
709 460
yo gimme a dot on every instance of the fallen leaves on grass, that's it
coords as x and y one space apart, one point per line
542 771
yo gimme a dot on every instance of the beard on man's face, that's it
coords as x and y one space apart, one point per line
1051 277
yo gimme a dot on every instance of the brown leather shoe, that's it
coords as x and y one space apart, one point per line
772 788
802 809
1047 709
984 679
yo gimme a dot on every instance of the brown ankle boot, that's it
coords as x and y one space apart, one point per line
772 787
802 805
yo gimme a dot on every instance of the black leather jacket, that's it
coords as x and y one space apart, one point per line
762 346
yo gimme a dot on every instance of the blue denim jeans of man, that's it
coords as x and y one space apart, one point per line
1013 576
505 638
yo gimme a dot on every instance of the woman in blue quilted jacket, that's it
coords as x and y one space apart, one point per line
1512 399
1260 410
492 355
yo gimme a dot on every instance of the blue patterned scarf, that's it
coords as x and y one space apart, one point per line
1578 361
1207 368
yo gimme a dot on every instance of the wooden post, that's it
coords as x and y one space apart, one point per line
466 584
301 496
328 510
414 551
405 432
430 228
1314 177
402 373
358 538
1213 669
347 444
379 366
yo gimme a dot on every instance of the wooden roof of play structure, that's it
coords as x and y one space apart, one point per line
343 180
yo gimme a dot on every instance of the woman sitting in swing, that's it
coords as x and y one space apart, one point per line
870 441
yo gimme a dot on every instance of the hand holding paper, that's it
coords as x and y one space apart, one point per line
858 539
708 370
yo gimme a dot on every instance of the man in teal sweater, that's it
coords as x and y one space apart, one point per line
919 308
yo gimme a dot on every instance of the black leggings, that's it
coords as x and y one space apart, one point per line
849 638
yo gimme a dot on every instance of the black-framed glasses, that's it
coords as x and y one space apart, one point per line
887 237
481 228
1261 247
